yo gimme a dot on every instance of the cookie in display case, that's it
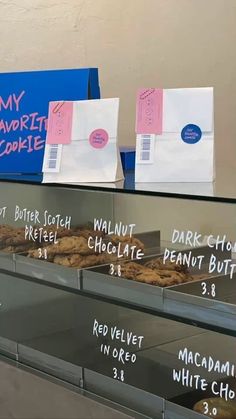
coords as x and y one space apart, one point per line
50 244
154 273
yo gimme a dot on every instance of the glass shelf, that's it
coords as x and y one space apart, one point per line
223 189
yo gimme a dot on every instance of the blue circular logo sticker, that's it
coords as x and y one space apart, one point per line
191 134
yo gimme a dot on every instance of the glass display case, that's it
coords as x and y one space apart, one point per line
125 293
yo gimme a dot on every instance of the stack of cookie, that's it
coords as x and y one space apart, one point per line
224 409
12 240
71 248
156 272
124 240
73 251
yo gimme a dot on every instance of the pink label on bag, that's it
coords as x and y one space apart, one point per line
60 123
99 138
149 111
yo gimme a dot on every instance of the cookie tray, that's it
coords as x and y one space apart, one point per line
181 407
98 281
51 365
151 241
174 411
8 348
47 271
70 277
7 262
124 394
187 300
159 361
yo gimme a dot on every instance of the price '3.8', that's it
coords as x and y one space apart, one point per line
208 289
119 374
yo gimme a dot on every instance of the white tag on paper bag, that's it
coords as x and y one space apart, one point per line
183 137
86 134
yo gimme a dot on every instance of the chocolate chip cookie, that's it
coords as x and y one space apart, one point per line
159 264
132 241
69 245
130 270
79 261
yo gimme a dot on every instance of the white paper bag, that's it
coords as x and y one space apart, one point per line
175 135
81 143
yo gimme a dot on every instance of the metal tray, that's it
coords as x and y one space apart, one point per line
47 271
99 281
160 360
174 411
187 301
54 366
182 406
7 262
124 394
8 348
69 277
151 241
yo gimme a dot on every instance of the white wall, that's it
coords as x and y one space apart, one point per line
134 43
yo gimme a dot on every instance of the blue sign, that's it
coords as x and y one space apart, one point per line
24 100
191 134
